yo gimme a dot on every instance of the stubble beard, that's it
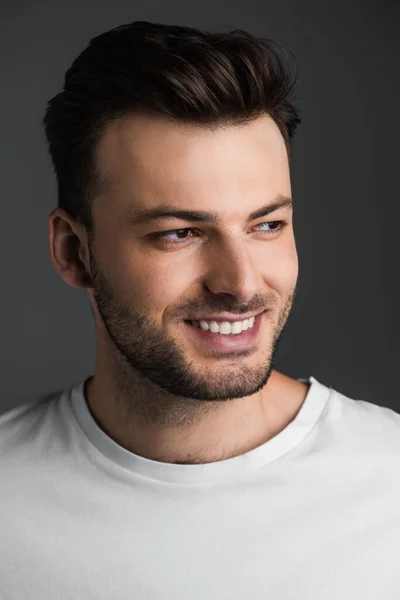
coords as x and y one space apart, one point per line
148 358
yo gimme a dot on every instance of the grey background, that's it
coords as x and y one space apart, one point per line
345 325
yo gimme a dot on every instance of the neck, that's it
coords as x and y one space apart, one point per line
142 419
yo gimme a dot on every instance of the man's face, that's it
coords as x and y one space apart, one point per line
146 289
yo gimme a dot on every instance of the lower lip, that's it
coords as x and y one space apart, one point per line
220 342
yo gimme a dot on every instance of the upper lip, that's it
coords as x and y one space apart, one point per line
225 317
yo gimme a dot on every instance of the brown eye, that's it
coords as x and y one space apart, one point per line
277 226
181 234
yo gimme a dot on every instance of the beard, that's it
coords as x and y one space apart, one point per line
155 358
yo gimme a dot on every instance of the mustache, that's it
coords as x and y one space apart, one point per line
223 306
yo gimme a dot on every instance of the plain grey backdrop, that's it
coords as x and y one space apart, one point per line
345 327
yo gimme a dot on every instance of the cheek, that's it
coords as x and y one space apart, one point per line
282 268
156 287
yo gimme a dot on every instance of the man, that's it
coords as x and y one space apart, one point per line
187 466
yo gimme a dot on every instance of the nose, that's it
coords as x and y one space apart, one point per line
233 270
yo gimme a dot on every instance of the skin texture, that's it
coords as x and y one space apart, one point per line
155 390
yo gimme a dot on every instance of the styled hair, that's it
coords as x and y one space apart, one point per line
182 73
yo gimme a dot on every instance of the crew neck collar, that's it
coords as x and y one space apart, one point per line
215 472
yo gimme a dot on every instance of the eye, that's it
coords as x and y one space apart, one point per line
164 235
279 225
182 235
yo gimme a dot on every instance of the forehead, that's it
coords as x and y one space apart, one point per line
153 158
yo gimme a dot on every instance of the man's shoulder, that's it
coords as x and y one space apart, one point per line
375 409
20 426
372 424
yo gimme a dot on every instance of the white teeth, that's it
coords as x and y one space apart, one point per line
236 328
225 328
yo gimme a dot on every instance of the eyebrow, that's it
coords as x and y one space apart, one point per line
166 211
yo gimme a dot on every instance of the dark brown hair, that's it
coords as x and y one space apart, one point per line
179 72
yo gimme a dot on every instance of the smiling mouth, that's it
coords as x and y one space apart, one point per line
226 339
223 327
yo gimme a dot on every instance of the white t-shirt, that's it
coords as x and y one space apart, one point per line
312 514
